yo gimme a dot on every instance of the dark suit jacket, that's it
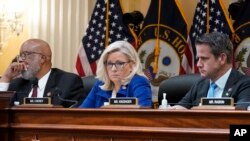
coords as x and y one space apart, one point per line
237 86
69 84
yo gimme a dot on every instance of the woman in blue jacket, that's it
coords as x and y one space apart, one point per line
119 73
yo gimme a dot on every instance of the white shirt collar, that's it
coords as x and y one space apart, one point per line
221 82
42 82
41 85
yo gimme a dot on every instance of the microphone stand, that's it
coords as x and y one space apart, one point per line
58 93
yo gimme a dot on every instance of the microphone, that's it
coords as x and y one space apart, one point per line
242 106
240 103
34 81
18 97
58 92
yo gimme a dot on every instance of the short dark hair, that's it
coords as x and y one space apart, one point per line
218 42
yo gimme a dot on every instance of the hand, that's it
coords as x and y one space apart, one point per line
12 71
177 107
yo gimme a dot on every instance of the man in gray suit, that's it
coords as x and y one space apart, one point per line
214 54
34 63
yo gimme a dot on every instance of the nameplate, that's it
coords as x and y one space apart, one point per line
38 101
225 101
123 101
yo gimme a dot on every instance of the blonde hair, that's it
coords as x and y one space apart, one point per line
127 49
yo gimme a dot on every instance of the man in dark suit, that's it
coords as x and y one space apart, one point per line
34 63
214 54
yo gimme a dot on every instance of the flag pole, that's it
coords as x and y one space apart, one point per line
107 25
233 33
208 15
157 44
135 38
135 43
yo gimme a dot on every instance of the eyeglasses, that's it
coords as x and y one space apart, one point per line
25 54
118 65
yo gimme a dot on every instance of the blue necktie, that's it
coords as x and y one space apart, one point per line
211 90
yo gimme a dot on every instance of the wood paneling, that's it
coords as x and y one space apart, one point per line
122 124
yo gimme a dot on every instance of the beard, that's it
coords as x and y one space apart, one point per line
214 74
29 74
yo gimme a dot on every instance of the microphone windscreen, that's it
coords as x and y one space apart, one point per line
49 94
34 81
135 17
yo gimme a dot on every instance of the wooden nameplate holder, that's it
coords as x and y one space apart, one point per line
5 98
122 103
37 102
225 103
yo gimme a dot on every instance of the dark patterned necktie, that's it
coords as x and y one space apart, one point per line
34 82
34 91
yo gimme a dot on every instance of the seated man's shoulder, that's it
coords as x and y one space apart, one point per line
244 78
241 77
62 72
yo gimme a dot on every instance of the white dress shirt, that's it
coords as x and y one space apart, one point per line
4 86
221 82
41 85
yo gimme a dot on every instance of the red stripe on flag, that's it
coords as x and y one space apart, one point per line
93 67
94 41
83 67
79 67
187 64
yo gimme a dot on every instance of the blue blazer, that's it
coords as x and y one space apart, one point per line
138 87
237 87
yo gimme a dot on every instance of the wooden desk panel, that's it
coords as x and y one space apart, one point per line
5 100
108 134
131 117
122 124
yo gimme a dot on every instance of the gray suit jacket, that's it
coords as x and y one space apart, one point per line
237 87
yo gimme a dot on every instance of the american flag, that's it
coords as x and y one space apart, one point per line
210 16
96 38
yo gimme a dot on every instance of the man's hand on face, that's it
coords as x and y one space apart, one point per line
12 71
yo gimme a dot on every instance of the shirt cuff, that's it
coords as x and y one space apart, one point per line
4 86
